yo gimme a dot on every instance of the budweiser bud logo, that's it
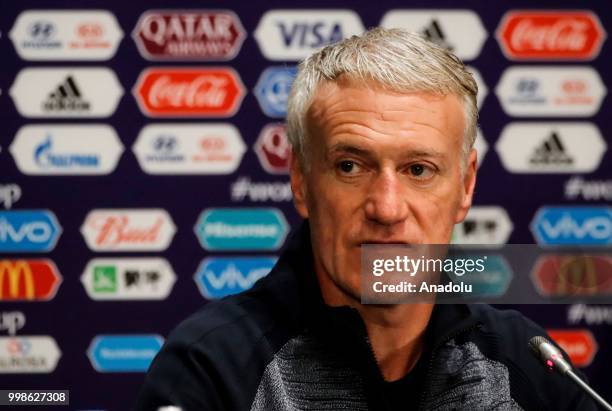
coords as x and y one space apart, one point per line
193 92
189 35
128 230
550 35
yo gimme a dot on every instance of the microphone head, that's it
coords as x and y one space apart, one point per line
548 354
534 345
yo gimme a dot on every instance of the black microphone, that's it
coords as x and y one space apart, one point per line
552 358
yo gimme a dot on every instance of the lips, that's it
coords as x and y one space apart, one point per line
387 241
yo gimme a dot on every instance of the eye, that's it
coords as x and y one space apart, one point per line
421 171
348 167
417 169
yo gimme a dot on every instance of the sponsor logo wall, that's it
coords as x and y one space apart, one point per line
144 169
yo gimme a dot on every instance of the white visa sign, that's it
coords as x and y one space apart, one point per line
67 92
460 31
180 148
565 147
66 35
66 149
291 35
551 91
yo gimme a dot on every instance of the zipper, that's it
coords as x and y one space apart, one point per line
435 350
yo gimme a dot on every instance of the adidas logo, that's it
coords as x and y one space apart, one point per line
551 151
66 97
433 32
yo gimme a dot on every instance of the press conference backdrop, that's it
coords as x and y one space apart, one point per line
143 165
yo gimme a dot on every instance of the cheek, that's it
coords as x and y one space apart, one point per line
435 213
327 201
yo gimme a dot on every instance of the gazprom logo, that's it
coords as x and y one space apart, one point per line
573 226
218 277
241 229
28 231
46 158
124 353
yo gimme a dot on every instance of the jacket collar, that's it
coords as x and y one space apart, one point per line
344 323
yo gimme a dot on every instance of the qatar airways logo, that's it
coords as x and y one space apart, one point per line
189 35
193 92
551 35
128 230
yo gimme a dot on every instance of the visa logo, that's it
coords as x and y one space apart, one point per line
220 277
28 231
573 226
310 35
292 35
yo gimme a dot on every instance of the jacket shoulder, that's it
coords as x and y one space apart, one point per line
504 336
227 341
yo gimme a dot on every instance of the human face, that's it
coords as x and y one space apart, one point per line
383 168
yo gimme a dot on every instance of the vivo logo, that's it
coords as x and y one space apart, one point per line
599 227
36 232
28 231
573 225
218 277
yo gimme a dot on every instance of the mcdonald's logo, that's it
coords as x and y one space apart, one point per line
573 275
28 280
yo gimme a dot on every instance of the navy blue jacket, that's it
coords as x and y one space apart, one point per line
279 347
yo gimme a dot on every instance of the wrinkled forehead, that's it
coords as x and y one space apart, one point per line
346 98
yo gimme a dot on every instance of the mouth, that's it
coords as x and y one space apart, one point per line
386 241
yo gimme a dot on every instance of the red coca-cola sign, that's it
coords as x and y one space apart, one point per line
189 35
550 35
189 92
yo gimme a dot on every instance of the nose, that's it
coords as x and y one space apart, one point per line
386 202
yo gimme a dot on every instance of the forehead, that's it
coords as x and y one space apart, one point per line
347 106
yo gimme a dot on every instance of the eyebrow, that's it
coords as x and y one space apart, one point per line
363 152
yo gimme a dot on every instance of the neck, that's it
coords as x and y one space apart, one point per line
396 332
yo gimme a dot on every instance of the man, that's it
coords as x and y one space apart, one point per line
382 128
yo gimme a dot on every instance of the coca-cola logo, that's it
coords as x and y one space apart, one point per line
193 92
128 230
193 35
550 35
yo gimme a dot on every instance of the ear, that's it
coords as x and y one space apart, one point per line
467 188
298 184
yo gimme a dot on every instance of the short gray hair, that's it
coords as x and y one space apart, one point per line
395 59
